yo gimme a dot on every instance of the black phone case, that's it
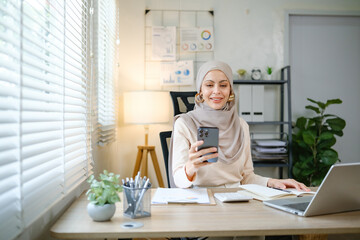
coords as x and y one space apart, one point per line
210 136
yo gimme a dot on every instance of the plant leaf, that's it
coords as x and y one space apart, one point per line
316 181
330 115
315 121
339 133
309 137
315 109
329 157
320 104
336 124
333 101
324 144
326 136
301 123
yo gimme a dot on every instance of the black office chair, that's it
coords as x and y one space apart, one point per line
183 102
165 142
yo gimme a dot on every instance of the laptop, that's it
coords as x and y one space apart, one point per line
338 192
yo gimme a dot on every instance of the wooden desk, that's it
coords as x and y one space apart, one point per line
223 219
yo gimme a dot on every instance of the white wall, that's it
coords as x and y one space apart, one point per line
248 33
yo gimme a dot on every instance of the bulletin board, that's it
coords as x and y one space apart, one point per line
170 44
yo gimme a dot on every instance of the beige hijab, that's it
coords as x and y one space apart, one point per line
226 119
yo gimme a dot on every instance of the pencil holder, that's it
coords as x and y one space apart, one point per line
137 202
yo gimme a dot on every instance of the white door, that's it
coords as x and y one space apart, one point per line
324 55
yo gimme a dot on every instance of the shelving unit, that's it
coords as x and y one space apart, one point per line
284 82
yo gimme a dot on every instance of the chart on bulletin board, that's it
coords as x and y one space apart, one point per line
177 43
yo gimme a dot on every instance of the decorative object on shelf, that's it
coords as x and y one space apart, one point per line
256 74
313 139
103 195
145 108
269 72
242 74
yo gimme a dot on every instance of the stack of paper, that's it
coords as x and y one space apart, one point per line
269 150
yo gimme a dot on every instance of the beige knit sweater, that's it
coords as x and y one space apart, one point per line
217 174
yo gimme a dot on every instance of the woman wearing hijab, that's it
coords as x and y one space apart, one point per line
215 107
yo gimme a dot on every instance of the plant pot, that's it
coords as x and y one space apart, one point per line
241 77
268 76
101 213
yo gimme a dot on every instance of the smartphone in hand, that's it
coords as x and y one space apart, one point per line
210 136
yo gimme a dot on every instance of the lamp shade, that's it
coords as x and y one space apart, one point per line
146 107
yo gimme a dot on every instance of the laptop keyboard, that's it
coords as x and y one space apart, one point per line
298 206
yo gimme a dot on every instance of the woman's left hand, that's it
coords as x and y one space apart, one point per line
287 183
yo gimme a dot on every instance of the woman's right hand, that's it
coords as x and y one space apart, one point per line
197 159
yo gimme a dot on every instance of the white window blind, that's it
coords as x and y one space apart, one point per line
104 50
45 148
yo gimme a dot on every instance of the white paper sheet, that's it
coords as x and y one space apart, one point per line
177 73
196 39
179 195
164 43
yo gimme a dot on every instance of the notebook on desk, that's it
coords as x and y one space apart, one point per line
338 192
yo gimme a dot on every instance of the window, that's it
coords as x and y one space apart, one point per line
45 148
104 50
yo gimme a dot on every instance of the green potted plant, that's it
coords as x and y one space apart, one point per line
269 71
241 73
313 139
103 194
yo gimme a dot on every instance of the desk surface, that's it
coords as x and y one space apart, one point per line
224 219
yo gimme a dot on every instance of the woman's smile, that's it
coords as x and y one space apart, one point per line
216 99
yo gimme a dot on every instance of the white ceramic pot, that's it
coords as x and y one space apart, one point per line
101 213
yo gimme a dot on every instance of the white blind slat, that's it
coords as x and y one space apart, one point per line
28 139
8 156
9 116
42 158
8 76
10 129
33 127
35 149
33 116
39 170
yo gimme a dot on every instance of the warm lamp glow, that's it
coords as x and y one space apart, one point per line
146 107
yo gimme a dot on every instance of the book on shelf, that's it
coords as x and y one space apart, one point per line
272 156
263 193
270 143
270 150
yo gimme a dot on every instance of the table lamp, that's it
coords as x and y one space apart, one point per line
145 108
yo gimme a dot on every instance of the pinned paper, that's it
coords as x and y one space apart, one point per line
177 73
196 39
163 43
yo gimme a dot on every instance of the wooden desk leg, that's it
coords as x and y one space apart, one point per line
138 161
313 237
156 167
